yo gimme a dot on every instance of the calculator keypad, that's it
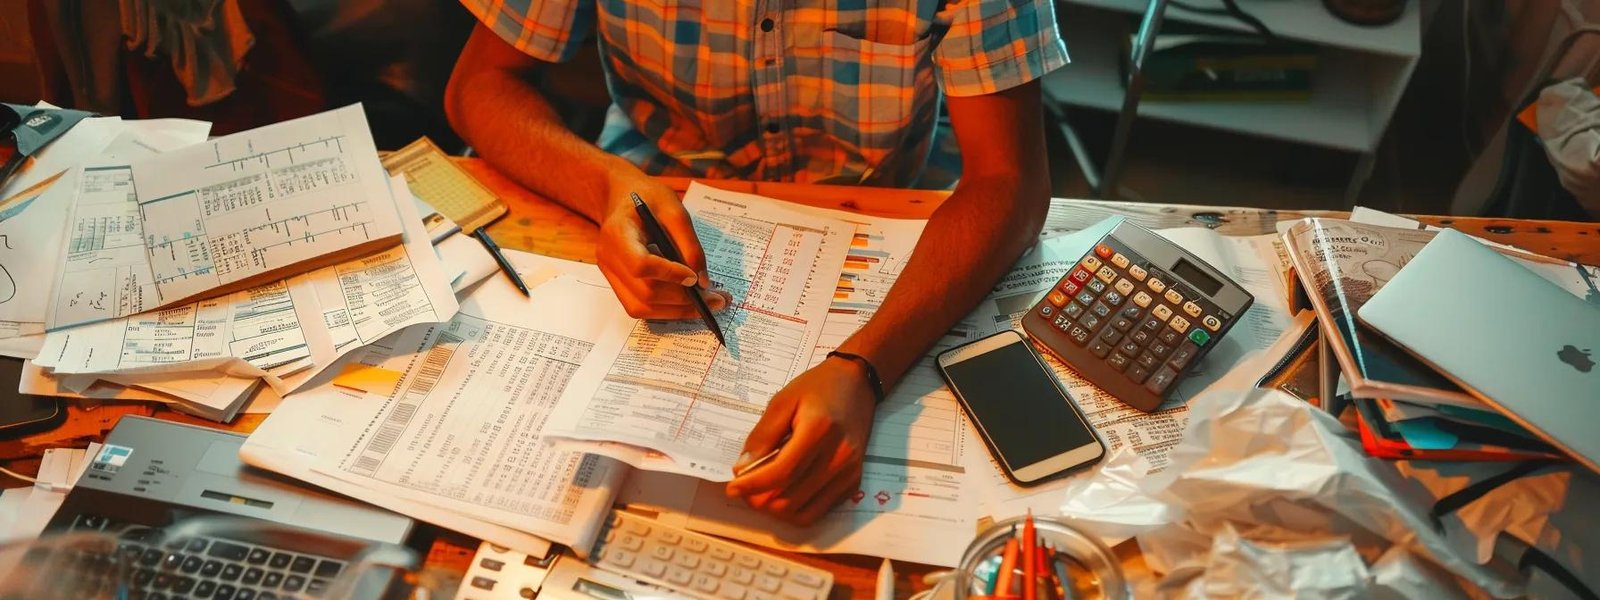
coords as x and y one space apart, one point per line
1114 309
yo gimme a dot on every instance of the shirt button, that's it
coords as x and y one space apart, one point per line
772 127
766 24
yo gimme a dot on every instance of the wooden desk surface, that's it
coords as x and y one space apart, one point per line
538 225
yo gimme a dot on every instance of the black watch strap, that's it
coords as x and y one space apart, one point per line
866 365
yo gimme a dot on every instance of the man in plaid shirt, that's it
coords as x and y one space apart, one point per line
825 91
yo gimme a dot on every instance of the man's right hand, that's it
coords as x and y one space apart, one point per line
649 286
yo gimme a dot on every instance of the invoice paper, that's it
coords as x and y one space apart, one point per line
665 394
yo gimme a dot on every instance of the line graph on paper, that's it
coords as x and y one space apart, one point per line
262 200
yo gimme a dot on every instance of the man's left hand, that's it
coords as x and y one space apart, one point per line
827 414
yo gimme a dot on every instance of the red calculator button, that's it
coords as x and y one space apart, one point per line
1080 276
1070 287
1057 298
1104 251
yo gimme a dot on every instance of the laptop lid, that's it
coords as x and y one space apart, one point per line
1508 336
159 465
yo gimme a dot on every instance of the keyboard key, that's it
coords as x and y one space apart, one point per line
638 528
1106 274
1069 287
163 581
303 564
173 561
1211 322
483 583
228 551
732 591
1169 337
722 554
695 545
331 568
1071 311
183 585
1120 261
1160 380
1140 337
232 572
224 592
1129 348
1090 322
293 583
1100 310
1131 313
768 583
1199 337
1151 325
759 595
1080 276
272 580
192 565
1111 335
1046 311
143 577
670 537
252 576
244 594
630 542
1090 263
1056 298
204 588
280 560
196 545
1100 348
1085 297
807 578
1179 324
1137 373
1137 272
1078 335
1103 251
1174 297
793 591
1147 360
1118 361
1182 355
715 568
1161 312
619 557
677 576
706 583
689 561
1123 287
257 556
653 568
1191 309
742 575
1160 350
1156 285
211 569
661 552
748 561
1113 298
266 596
1095 287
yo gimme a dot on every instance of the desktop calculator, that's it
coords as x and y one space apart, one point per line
1135 314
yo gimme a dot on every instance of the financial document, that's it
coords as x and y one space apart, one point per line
665 395
458 432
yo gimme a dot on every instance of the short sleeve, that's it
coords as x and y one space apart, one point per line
995 45
548 30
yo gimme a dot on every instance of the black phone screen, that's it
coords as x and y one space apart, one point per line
1018 406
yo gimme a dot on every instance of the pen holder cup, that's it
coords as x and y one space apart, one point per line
1092 571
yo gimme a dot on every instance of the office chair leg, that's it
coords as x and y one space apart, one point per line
1149 26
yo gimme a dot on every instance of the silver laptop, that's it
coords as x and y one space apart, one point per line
1506 335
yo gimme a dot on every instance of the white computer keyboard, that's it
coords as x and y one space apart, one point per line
700 565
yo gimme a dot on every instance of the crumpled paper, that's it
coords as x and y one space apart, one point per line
1268 496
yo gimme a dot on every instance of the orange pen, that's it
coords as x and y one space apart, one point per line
1008 563
1030 560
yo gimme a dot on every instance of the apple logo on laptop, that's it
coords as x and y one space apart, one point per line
1579 359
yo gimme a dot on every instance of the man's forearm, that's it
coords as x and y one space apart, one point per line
971 241
512 125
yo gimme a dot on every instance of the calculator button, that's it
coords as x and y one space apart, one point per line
1106 274
1147 360
1111 335
1122 323
1097 287
1137 272
1132 313
1057 298
1174 297
1103 251
1100 349
1142 299
1140 337
1169 337
1112 298
1080 276
676 576
689 561
1162 312
1072 310
1199 337
1090 263
1128 348
1118 361
1160 380
1079 335
1119 260
1137 373
1089 321
1211 322
1064 324
1070 287
1191 308
1180 358
1100 310
1123 287
1179 324
1047 311
1160 350
1156 285
1151 325
1086 297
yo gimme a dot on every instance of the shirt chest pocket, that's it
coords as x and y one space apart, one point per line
872 94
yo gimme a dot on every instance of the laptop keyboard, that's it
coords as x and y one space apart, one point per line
199 567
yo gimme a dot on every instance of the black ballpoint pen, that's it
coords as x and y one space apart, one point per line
500 258
663 243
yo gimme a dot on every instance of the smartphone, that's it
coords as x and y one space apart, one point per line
1032 427
22 414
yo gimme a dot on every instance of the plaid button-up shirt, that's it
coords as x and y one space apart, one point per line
833 91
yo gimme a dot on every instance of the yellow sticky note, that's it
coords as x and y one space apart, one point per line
372 380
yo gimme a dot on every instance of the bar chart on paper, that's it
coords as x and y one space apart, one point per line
247 206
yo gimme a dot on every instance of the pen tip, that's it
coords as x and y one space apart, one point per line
637 201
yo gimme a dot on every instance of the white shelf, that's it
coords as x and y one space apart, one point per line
1353 93
1305 20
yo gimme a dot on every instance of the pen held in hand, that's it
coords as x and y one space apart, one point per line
663 245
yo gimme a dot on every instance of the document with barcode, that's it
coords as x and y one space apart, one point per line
459 426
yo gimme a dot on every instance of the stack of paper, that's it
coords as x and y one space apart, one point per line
204 273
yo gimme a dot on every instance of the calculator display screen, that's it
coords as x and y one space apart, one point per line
1018 406
1196 277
